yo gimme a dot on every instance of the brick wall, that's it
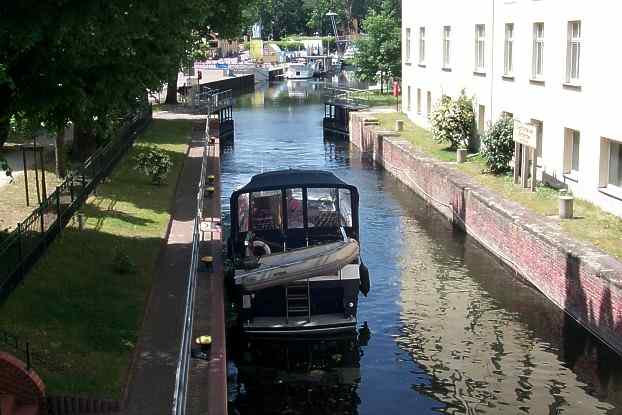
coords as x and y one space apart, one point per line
579 278
24 385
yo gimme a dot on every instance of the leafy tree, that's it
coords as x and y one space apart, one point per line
498 145
379 54
453 121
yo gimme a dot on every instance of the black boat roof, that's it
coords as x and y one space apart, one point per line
293 178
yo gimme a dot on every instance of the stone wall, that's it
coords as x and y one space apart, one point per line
579 278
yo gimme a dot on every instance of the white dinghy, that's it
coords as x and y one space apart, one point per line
299 264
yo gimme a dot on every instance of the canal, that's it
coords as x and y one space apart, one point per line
445 328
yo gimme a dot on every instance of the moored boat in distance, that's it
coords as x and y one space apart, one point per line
294 245
300 69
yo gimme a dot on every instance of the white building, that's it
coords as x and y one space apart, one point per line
553 63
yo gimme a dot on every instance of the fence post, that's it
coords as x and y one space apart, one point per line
28 356
59 218
20 254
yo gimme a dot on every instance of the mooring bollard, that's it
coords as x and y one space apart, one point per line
461 154
399 125
566 205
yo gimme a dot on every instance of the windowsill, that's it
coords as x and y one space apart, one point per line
409 63
479 72
508 77
571 85
421 65
446 69
612 191
536 81
573 176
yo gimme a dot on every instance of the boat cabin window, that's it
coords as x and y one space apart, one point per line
345 207
243 212
267 210
295 218
322 208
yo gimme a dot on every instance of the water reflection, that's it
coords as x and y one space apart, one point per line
452 330
315 375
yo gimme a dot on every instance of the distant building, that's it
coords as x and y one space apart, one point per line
545 62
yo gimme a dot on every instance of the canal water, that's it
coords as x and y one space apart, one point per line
445 328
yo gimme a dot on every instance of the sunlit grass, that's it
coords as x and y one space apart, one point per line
591 224
73 307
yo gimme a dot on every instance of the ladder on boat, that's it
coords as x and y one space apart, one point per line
298 300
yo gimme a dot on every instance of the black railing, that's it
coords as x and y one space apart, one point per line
21 249
348 97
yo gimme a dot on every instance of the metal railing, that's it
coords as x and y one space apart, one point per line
355 98
208 101
180 393
21 249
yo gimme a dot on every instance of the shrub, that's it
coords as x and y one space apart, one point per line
498 145
453 121
154 163
122 263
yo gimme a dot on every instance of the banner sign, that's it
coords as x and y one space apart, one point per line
525 134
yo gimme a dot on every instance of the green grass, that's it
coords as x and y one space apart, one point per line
73 307
376 99
591 224
420 138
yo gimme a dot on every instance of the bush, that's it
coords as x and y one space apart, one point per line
498 145
453 121
154 163
122 263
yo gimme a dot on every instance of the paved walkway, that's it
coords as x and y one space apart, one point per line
152 376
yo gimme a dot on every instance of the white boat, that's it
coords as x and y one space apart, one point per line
301 69
299 264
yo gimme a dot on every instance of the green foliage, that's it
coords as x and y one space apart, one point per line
153 163
498 145
122 263
453 121
379 53
290 45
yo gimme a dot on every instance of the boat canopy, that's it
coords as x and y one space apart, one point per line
294 208
293 178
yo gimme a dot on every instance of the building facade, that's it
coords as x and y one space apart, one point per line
551 63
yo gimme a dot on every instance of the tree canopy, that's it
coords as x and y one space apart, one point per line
83 60
379 53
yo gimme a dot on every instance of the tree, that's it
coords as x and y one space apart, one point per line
379 54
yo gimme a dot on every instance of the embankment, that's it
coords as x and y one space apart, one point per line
582 280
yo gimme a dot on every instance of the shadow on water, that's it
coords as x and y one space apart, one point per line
451 329
306 375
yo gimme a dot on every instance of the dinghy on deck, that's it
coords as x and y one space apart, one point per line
299 264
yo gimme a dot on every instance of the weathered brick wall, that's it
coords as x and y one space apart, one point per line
24 385
579 278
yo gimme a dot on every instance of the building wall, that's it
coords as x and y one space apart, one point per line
589 107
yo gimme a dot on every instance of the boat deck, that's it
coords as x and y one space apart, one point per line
320 323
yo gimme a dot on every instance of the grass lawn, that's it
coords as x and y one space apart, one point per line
376 99
73 307
591 224
13 207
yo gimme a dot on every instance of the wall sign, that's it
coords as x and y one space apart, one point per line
525 134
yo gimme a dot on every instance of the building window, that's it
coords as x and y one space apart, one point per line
615 164
429 103
572 148
408 44
421 44
573 54
481 119
480 47
539 132
537 71
409 99
509 43
446 46
418 100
